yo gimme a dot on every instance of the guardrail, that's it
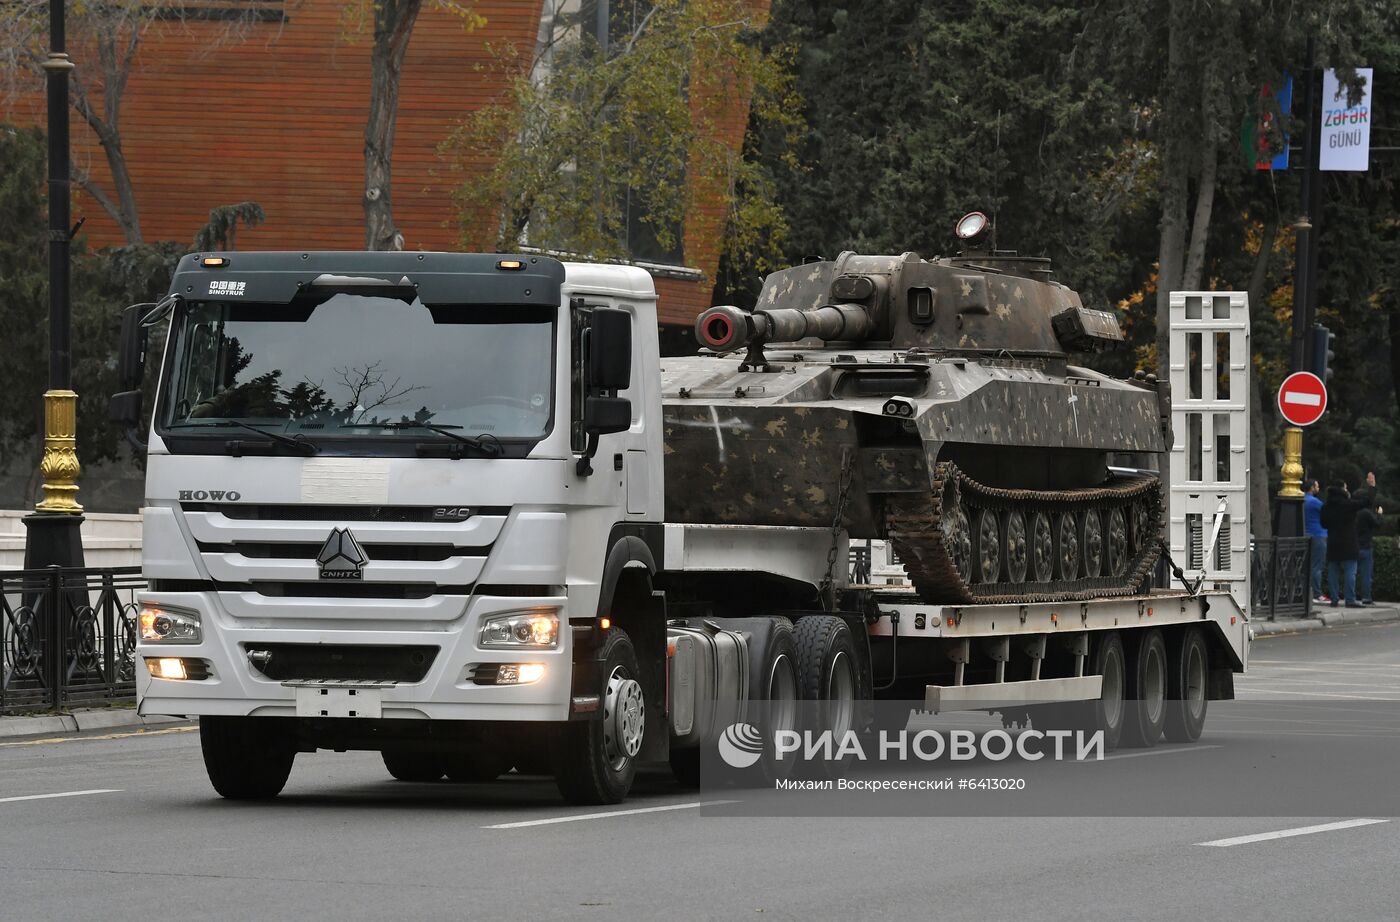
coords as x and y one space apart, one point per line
1281 577
67 636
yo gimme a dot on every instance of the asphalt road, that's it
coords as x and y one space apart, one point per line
140 835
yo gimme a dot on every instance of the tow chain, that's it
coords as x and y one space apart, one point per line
843 492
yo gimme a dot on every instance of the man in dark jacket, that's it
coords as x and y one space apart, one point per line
1367 521
1339 518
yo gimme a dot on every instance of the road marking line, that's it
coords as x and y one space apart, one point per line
104 736
611 813
1308 664
10 800
1152 752
1289 833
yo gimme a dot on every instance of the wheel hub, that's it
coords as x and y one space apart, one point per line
624 718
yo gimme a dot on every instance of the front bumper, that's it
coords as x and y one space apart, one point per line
235 688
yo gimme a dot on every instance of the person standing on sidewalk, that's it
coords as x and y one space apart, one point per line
1367 521
1338 516
1317 538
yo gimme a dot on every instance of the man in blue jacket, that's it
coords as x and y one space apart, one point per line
1317 547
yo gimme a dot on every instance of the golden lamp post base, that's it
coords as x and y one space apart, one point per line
60 464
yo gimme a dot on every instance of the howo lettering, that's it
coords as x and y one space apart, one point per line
469 518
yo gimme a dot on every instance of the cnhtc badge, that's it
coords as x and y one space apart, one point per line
341 556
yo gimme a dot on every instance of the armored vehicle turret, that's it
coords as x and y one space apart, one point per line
932 403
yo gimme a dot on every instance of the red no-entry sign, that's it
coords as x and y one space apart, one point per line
1302 398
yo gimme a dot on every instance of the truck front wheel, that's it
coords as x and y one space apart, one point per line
247 758
595 761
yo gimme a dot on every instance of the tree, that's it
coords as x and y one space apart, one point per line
106 37
392 22
631 128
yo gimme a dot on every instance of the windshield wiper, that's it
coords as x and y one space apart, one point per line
486 443
298 442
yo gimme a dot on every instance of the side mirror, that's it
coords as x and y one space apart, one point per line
131 358
610 349
125 408
602 415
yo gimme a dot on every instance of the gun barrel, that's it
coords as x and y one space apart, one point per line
726 329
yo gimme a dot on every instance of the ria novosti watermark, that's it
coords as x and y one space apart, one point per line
742 745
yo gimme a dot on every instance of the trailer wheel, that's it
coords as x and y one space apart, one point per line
1189 669
421 767
1108 712
1147 691
476 767
595 761
247 758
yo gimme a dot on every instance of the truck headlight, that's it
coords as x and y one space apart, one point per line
537 628
160 624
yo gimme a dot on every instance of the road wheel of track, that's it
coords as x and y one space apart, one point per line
476 767
1146 699
247 758
1017 546
986 546
420 767
1091 543
1116 539
1042 549
595 761
1188 663
1067 549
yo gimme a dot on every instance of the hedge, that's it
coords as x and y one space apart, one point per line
1385 585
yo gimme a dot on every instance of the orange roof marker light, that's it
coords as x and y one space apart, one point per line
214 262
510 264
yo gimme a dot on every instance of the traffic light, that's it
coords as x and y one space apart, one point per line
1320 354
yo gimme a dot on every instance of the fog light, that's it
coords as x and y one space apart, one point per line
519 673
167 667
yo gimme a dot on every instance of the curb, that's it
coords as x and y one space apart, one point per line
1326 618
78 721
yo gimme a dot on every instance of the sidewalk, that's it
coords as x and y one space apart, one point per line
1324 616
115 718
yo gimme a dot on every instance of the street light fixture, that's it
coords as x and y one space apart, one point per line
53 531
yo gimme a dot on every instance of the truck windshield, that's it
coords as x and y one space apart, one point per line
363 367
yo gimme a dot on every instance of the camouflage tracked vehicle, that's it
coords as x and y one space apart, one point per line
931 403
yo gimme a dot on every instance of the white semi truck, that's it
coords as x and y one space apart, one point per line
414 503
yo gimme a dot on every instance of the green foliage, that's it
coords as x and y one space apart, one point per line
1385 579
222 229
585 137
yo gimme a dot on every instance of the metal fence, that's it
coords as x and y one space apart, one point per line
1282 577
67 636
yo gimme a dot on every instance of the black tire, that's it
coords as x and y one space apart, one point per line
247 758
592 764
1108 712
476 767
828 672
1146 700
1188 663
419 767
775 694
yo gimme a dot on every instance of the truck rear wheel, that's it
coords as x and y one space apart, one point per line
1146 691
421 767
1188 669
595 761
1108 712
828 672
247 758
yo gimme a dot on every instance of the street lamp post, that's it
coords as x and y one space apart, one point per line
52 531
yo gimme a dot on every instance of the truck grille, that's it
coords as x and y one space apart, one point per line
285 661
307 513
